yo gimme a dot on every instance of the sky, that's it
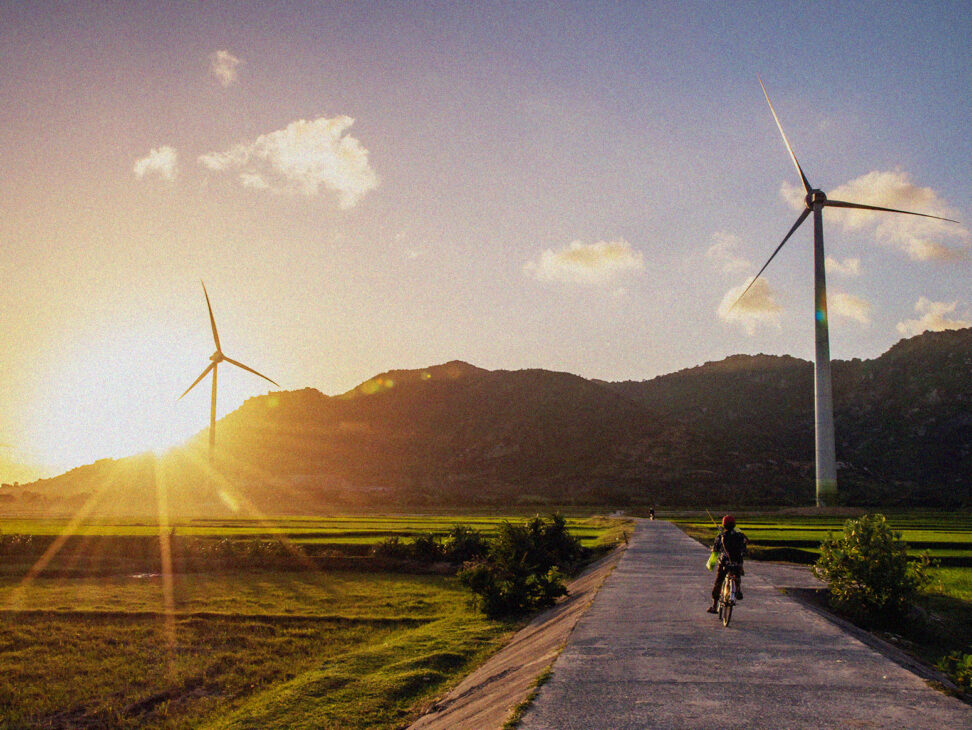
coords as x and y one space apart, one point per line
365 186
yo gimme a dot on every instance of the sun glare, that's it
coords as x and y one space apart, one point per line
115 396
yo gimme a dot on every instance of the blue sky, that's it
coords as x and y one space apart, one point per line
568 186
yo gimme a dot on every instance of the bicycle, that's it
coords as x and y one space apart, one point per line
727 595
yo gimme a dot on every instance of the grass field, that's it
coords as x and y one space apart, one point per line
242 648
944 535
238 649
311 530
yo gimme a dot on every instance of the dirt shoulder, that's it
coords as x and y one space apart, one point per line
485 698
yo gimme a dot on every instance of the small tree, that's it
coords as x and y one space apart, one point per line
392 547
463 543
524 567
426 548
867 569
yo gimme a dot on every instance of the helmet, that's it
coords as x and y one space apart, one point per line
728 522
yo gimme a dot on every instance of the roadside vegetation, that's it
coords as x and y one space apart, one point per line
867 571
523 567
248 636
936 624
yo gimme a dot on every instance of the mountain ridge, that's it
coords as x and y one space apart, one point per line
736 431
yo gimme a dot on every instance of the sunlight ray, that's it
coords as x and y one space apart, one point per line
222 484
17 596
165 559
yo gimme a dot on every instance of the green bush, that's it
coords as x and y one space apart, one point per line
867 569
392 547
227 553
16 545
463 544
959 668
523 569
426 548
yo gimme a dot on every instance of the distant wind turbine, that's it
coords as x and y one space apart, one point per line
216 358
816 201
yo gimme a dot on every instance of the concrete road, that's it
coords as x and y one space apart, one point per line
647 654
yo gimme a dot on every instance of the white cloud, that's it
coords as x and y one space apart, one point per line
723 253
591 264
758 307
161 161
849 306
254 181
302 158
847 267
222 65
934 317
922 239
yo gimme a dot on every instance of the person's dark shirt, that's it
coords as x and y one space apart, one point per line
732 543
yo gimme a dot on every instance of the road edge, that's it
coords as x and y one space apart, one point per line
490 694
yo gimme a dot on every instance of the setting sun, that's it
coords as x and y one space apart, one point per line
114 393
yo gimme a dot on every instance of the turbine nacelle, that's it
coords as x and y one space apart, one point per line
215 359
814 198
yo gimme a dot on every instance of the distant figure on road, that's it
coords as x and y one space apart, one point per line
651 512
729 546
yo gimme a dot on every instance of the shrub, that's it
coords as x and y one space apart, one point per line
959 668
423 548
524 567
392 547
867 569
227 553
426 548
16 545
463 544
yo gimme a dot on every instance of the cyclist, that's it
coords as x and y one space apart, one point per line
730 546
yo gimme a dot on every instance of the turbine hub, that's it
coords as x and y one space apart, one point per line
815 197
217 357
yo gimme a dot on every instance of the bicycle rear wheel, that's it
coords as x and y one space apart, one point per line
725 602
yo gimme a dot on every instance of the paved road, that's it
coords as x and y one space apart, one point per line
647 654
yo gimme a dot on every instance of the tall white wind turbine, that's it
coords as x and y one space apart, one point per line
216 358
816 201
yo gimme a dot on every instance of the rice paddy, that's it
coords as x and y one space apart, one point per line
234 647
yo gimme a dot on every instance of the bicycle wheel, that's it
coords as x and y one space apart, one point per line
725 602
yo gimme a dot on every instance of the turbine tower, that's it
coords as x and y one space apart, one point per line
816 201
216 358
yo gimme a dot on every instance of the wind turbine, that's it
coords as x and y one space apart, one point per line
216 358
816 201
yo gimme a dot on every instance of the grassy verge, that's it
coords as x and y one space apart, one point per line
516 714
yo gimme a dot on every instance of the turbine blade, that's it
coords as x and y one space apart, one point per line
196 381
251 370
803 217
806 183
861 206
212 320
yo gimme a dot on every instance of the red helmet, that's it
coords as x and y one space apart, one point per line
728 522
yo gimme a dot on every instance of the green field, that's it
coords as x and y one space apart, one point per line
240 648
236 649
943 535
311 530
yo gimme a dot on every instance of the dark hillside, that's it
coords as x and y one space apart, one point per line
903 420
448 433
907 416
738 431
